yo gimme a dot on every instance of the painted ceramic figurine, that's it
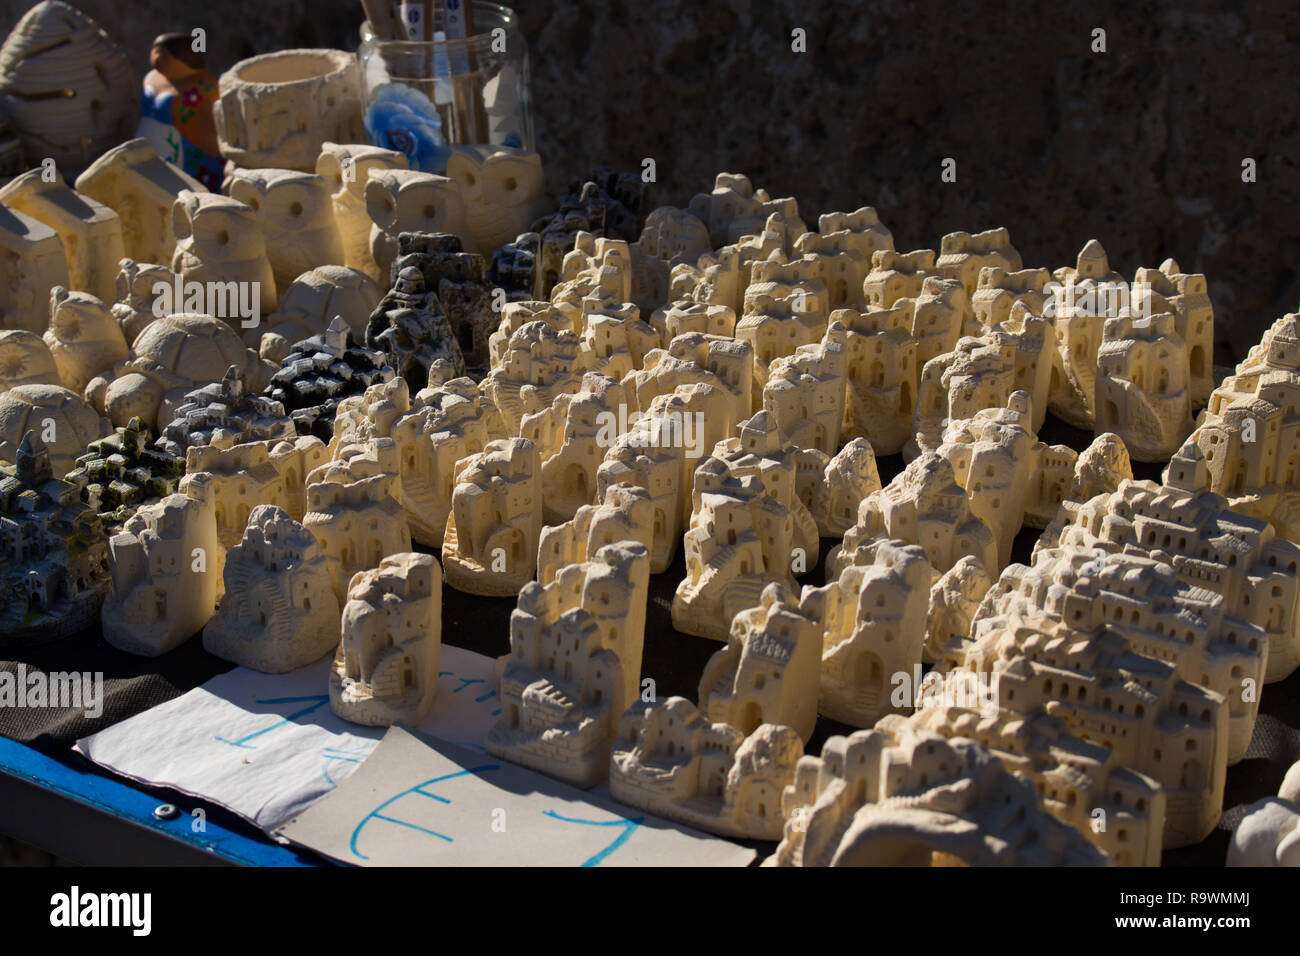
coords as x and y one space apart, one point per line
176 108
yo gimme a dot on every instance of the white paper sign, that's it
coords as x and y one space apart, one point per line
417 802
265 746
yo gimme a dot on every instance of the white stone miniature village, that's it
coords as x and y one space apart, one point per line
287 413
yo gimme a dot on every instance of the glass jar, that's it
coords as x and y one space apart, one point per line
419 96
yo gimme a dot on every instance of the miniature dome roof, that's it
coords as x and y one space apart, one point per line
193 346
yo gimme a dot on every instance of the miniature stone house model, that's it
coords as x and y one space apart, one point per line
767 673
165 565
847 479
925 506
640 459
490 546
354 511
574 665
386 668
871 623
1247 440
572 435
1075 779
445 425
1142 392
1109 693
896 796
53 555
1011 479
228 406
881 376
32 253
1209 547
410 328
538 356
805 392
624 514
320 372
746 523
669 759
279 611
120 473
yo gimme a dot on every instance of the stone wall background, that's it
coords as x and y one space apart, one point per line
1140 147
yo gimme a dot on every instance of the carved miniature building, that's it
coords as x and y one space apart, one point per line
843 245
354 512
574 665
386 668
923 505
897 795
896 275
847 479
999 290
445 425
120 473
411 329
785 307
1120 811
625 513
1142 391
166 567
768 671
881 376
725 363
321 371
490 545
1248 437
134 181
746 522
1209 547
669 759
235 479
91 232
805 392
1010 477
872 625
983 372
572 435
53 555
229 406
641 458
1108 691
279 611
455 277
963 256
538 356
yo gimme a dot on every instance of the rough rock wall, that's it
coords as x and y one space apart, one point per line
1140 147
